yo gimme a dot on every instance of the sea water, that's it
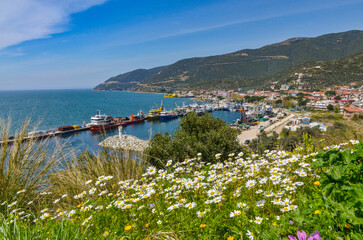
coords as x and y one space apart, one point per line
50 109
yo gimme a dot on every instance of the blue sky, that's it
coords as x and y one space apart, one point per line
61 44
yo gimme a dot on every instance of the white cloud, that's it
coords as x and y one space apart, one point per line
22 20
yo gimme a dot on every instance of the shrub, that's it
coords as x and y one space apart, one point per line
205 134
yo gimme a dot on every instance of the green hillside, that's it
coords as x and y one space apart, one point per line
127 80
320 74
250 67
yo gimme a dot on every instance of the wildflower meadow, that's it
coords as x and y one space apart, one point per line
274 195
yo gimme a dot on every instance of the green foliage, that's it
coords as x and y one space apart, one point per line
330 93
330 107
264 142
205 134
252 99
337 109
338 199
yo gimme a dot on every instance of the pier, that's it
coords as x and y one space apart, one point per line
12 139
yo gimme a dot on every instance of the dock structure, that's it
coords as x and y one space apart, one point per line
125 143
45 135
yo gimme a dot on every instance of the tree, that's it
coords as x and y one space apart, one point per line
337 109
205 135
264 142
338 98
278 102
330 93
330 107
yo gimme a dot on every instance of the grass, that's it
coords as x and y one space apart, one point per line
24 165
339 129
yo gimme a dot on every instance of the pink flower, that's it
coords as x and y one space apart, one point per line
302 236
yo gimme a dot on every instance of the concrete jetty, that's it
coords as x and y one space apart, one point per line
124 142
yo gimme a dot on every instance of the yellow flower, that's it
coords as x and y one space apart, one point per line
230 238
128 227
317 183
317 212
347 225
202 225
275 224
146 225
220 204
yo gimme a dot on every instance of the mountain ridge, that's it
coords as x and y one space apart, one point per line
248 67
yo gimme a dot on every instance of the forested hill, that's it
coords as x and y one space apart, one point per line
127 80
250 67
321 74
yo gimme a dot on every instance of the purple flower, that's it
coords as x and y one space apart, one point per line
302 236
291 222
315 236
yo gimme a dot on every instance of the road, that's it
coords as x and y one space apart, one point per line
254 130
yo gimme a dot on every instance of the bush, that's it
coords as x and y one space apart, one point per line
330 107
264 142
205 134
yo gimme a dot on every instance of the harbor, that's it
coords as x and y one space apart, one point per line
249 118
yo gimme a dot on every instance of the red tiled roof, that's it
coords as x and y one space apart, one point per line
353 110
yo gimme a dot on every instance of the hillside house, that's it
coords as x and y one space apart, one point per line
352 110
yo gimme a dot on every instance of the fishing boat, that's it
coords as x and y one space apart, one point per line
168 115
101 122
154 114
138 118
133 119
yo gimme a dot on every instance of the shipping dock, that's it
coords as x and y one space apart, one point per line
49 134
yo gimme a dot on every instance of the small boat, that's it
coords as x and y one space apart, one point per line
138 118
168 115
101 122
153 116
171 95
133 119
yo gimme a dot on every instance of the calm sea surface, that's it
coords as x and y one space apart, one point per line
54 108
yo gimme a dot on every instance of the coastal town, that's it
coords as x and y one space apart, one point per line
344 99
181 120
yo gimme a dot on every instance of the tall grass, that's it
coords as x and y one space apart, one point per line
24 165
33 170
73 174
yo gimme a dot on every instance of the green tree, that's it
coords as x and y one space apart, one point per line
330 107
264 142
205 135
337 109
330 93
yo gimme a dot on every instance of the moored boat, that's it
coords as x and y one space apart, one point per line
101 122
168 115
